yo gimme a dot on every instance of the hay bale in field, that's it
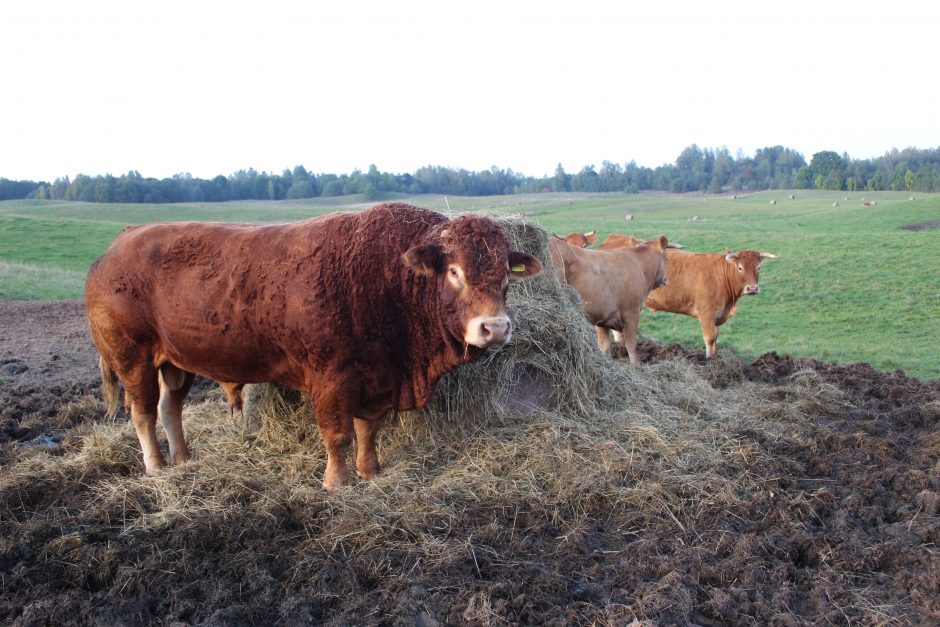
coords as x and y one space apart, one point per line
552 363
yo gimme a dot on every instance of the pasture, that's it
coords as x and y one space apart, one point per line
850 284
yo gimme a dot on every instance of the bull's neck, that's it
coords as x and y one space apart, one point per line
433 351
734 287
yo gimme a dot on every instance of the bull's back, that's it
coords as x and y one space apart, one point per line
212 298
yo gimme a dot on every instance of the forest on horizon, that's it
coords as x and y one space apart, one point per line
694 170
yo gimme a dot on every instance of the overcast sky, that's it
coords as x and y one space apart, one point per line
100 87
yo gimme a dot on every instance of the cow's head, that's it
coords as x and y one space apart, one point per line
746 269
472 263
581 240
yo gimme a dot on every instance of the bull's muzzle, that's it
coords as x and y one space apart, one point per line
753 288
483 331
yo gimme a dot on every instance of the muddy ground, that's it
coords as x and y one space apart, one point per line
847 530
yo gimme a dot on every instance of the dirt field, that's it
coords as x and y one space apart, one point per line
833 519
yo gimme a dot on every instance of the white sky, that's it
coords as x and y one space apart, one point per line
208 88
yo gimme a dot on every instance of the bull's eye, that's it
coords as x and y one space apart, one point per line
740 268
453 272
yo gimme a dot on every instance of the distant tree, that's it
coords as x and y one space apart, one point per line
561 182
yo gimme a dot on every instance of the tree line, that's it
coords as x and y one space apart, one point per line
694 170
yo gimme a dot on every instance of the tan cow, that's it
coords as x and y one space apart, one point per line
616 240
707 286
581 240
613 284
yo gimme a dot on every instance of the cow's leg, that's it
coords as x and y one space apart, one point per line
142 393
631 325
710 334
367 461
174 386
603 338
618 336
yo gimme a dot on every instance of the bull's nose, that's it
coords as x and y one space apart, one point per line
495 330
754 288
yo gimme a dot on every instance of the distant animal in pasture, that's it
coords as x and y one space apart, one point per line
613 285
835 205
868 203
707 286
364 312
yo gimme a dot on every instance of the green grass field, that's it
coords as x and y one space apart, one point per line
850 285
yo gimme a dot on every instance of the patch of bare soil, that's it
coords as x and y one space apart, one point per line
823 507
922 226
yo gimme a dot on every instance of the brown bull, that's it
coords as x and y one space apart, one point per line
613 284
364 312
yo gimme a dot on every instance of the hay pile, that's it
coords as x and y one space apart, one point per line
547 484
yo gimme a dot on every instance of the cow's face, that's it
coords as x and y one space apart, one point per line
472 265
746 270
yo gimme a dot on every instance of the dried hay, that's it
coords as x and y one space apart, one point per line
545 458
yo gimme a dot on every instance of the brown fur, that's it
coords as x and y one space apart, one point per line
327 306
613 284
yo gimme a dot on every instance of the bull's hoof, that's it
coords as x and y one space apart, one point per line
154 466
331 484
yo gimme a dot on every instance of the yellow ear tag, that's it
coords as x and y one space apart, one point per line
519 267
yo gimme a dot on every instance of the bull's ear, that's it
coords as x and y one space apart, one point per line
730 257
663 242
523 264
426 259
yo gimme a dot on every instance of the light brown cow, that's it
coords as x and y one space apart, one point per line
707 286
364 312
581 240
613 284
616 240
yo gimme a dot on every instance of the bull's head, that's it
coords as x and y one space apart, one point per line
581 240
747 269
472 263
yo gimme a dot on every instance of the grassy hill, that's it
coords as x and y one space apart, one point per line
850 284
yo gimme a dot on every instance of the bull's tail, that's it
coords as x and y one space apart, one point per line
109 388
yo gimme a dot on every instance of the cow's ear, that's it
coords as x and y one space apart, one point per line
663 242
730 257
426 259
523 264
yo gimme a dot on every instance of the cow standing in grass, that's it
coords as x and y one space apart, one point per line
364 312
613 284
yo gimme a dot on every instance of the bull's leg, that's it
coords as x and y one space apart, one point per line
367 461
618 336
142 393
603 338
710 334
337 433
174 386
